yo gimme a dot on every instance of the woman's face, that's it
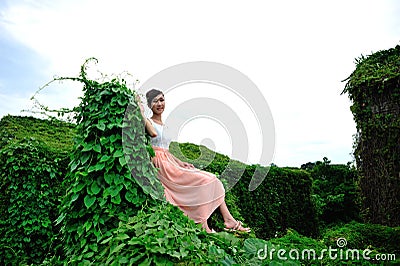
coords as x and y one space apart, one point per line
158 104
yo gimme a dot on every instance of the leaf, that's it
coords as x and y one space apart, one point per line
99 166
108 178
123 260
122 161
74 197
104 140
92 168
133 260
89 200
60 218
106 240
78 187
114 137
85 157
104 158
118 179
101 126
88 255
129 196
122 101
87 147
88 225
117 248
116 199
146 262
95 188
97 148
118 153
122 237
74 164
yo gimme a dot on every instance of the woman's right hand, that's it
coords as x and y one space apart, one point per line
139 101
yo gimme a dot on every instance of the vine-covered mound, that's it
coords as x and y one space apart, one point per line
374 88
34 155
107 216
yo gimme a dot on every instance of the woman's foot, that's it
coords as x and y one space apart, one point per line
233 226
207 228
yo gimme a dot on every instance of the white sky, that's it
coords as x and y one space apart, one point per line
296 52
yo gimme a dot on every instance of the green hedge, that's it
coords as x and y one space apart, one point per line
282 201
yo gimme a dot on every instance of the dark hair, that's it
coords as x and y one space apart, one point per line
151 94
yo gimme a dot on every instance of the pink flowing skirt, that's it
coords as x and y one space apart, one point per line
197 193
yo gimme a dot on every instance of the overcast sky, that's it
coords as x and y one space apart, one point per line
296 52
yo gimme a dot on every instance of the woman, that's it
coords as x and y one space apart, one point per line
197 193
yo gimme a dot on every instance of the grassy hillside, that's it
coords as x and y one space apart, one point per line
54 134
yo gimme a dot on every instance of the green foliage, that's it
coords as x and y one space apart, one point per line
103 189
374 88
281 202
374 72
360 235
378 238
301 250
161 235
335 192
106 192
31 177
33 162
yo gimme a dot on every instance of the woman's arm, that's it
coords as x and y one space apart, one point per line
148 126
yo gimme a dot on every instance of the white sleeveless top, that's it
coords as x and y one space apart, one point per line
161 140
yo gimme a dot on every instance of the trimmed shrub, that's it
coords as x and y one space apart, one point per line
281 202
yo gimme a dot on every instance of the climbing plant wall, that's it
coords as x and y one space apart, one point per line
374 88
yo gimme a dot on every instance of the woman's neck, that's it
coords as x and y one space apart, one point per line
157 118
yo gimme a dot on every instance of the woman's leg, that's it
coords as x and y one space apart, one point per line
230 222
205 226
226 213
